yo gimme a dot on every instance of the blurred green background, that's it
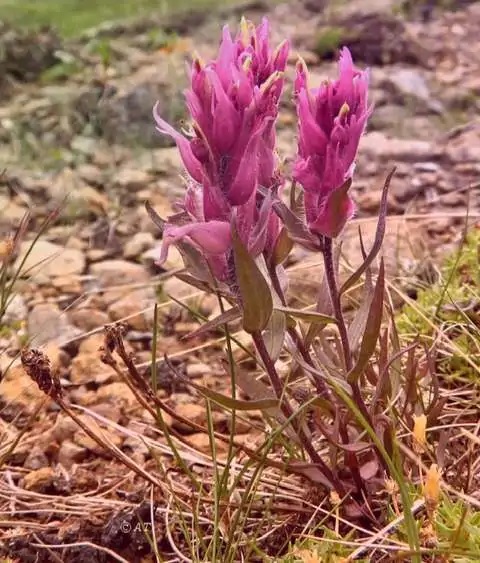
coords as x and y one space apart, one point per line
74 16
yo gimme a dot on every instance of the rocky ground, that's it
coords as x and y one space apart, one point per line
77 141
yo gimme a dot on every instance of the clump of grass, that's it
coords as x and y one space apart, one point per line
449 310
329 40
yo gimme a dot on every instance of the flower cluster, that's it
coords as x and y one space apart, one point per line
229 149
331 121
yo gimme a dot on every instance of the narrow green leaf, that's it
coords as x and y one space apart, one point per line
379 234
324 302
257 301
372 327
394 468
195 262
193 282
308 316
237 404
228 316
357 326
155 217
255 388
263 404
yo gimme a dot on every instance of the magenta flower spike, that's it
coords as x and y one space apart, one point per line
332 119
229 149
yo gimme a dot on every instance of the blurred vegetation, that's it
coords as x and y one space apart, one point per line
329 40
452 305
72 17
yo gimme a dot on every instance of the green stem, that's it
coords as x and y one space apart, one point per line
289 413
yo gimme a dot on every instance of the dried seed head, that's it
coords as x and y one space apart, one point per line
419 433
431 489
37 366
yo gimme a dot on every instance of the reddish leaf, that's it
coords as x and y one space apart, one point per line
372 327
311 472
369 469
294 224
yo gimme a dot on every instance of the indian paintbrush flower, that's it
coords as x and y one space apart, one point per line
229 149
331 119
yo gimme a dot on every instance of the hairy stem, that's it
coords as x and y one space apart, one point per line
289 412
336 304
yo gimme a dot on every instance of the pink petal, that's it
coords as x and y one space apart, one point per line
191 163
245 181
213 237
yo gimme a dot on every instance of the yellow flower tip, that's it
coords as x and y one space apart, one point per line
271 80
420 430
432 487
344 110
197 60
247 63
301 65
247 31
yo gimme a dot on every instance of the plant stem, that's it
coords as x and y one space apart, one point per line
289 412
342 328
322 389
336 304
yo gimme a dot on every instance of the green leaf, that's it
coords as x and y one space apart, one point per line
357 327
274 334
257 301
155 217
379 234
194 282
237 404
372 327
264 404
283 247
195 262
324 302
308 316
228 316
